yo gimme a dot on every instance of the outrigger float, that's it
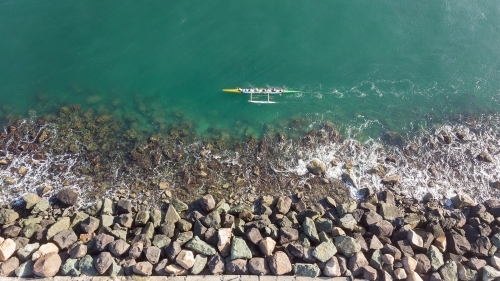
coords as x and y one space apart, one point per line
257 91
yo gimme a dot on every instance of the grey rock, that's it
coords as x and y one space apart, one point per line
107 207
490 273
115 269
148 230
95 209
347 246
25 269
126 220
457 243
423 264
481 247
27 251
306 269
179 205
309 228
152 254
141 218
239 249
449 271
376 260
324 251
212 220
476 263
348 222
156 217
183 225
184 237
199 246
86 266
389 211
31 200
172 216
436 257
161 241
30 229
70 267
41 206
200 262
57 227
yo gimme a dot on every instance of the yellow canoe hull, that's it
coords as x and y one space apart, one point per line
231 91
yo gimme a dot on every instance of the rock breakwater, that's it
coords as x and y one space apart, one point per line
383 236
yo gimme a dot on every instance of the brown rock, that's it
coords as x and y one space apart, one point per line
237 267
7 249
177 270
7 268
103 262
279 263
78 251
143 268
258 266
47 265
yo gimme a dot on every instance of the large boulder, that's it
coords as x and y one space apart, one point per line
47 265
279 263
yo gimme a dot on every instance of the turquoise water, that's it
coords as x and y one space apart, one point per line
368 66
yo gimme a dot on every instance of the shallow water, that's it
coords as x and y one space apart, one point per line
388 65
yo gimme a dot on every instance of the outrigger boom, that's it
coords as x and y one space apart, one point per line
267 92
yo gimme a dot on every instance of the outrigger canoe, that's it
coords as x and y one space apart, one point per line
267 92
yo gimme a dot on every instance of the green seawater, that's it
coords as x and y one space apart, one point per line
367 66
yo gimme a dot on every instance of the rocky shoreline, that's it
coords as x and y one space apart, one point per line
383 236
